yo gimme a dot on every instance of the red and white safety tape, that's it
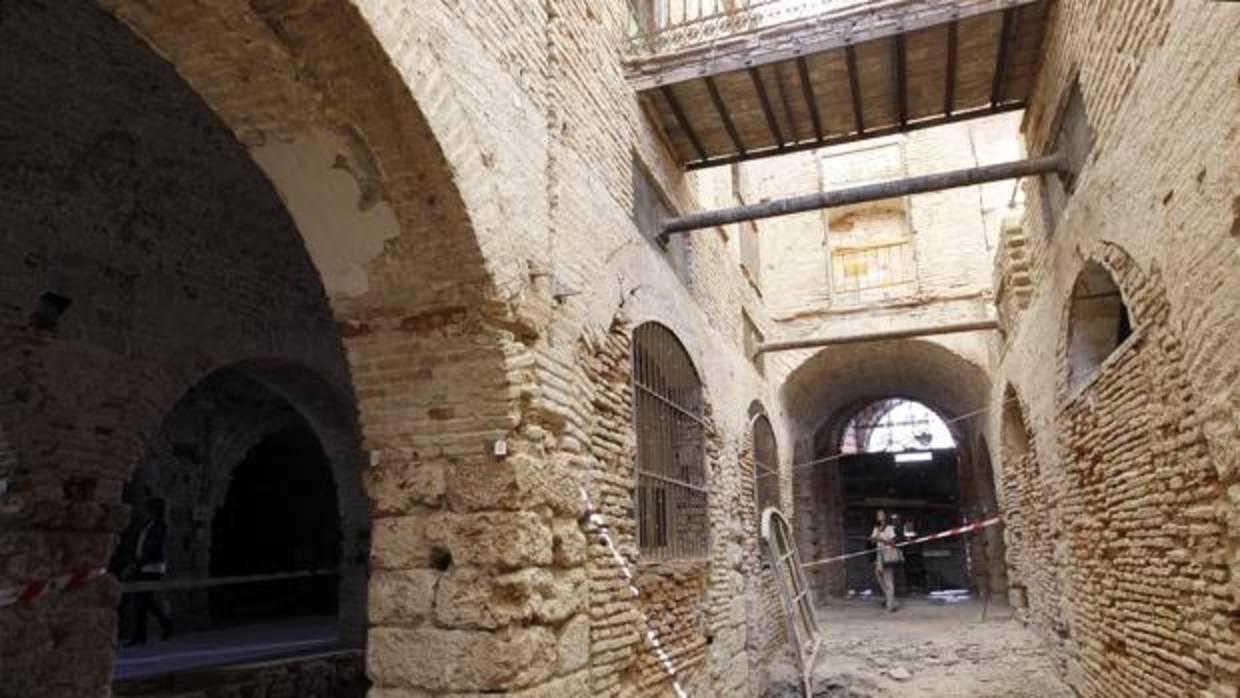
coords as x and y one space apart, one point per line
36 589
622 565
933 536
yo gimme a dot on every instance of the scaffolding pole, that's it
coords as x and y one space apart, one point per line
867 192
814 342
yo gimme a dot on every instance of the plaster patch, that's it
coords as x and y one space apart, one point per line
343 229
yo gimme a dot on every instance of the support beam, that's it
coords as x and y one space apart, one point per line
683 121
898 81
828 141
864 193
724 116
949 91
769 113
854 87
808 90
1006 36
816 342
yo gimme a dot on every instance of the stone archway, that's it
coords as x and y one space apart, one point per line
213 428
829 387
178 231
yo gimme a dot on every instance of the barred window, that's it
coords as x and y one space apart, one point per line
672 519
766 465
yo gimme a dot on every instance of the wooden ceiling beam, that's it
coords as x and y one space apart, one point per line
915 125
683 121
771 123
898 78
807 90
949 90
1006 35
854 86
724 115
785 100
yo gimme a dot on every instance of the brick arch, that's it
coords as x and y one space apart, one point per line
829 386
829 381
307 94
1030 531
1128 277
340 129
327 409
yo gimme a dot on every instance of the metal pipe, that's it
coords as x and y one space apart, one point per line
866 192
814 342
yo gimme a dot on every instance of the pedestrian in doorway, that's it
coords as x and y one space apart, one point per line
886 557
150 555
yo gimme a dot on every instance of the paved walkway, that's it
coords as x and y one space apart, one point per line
232 645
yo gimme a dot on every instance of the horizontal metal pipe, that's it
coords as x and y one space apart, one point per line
867 192
814 342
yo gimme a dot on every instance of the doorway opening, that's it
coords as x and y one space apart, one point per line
280 516
900 456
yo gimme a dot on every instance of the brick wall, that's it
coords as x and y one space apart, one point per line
1122 507
123 193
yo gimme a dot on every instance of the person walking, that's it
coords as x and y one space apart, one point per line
886 557
151 558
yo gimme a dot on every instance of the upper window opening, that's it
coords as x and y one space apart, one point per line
894 426
650 208
766 466
1098 322
1074 140
672 515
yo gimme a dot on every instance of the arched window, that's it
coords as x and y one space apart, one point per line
766 465
672 517
1097 323
894 425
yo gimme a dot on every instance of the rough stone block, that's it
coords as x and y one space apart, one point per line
401 597
441 660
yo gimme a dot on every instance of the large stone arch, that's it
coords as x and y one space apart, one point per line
317 402
829 386
353 172
312 91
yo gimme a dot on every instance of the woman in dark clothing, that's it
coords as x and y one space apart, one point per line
152 563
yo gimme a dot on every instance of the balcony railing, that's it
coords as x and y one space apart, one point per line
666 26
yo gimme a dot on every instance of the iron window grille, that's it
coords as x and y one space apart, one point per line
671 498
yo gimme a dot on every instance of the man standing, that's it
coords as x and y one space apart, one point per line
886 557
149 552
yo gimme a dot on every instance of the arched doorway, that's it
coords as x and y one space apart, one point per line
851 408
280 517
899 455
180 204
257 473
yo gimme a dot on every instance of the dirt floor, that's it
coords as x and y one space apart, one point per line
928 649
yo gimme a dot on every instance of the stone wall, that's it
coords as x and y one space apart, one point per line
1122 508
375 122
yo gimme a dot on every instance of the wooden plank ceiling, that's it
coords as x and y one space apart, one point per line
917 64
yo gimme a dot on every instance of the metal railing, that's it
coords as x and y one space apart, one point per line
664 26
855 270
